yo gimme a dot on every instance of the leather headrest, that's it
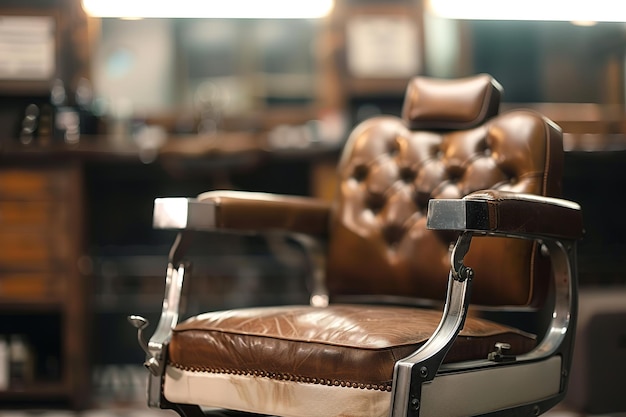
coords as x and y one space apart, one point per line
436 104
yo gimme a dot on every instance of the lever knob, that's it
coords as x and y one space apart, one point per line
140 323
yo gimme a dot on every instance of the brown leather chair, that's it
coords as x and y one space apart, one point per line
450 183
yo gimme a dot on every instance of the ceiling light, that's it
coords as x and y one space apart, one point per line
551 10
238 9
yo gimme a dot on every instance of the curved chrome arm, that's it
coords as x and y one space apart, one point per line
432 353
411 372
563 257
170 311
316 257
169 317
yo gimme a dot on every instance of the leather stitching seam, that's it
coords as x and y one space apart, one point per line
385 386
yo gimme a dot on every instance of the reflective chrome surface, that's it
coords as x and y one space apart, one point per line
156 348
563 256
411 372
169 316
316 258
482 391
179 213
421 366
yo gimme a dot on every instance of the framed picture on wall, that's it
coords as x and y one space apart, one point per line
383 46
28 52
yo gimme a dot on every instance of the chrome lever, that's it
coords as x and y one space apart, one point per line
460 272
141 323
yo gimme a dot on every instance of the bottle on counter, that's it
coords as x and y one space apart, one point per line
4 363
20 361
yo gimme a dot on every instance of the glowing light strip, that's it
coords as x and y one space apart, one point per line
551 10
235 9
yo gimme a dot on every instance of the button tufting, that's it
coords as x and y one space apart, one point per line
393 233
456 167
393 147
421 200
375 202
360 173
401 168
455 175
407 174
511 177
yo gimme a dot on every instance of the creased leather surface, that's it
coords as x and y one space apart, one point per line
347 344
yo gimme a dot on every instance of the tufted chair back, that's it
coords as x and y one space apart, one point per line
450 142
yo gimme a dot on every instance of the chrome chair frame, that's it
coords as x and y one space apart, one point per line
422 385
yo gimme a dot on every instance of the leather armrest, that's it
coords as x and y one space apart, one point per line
243 211
508 213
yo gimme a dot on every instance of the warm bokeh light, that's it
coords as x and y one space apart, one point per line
550 10
240 9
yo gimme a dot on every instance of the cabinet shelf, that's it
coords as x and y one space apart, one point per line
43 296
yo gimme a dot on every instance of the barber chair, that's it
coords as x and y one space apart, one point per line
450 207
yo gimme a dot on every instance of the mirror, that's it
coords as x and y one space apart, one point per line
220 67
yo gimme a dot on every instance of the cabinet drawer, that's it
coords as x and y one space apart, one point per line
27 250
25 287
32 215
33 184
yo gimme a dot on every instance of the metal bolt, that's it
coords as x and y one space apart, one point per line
500 355
415 404
423 372
465 273
501 347
152 365
536 410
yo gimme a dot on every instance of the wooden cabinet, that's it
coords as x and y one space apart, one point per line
43 297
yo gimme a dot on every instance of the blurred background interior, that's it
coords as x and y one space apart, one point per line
104 109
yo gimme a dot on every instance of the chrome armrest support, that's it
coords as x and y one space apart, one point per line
422 365
475 217
186 215
155 347
559 336
555 223
316 257
169 318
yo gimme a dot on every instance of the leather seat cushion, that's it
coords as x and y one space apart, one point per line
340 345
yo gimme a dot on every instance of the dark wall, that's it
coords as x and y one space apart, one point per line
549 61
